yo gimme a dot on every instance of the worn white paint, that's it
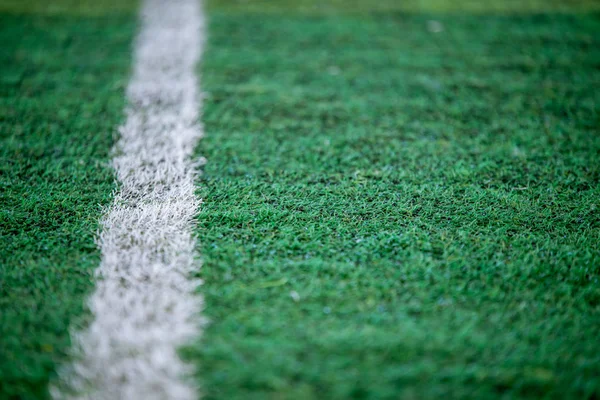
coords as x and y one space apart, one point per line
145 306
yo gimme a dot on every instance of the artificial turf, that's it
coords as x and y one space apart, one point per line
400 199
401 204
62 78
288 7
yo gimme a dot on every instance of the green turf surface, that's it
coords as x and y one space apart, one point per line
398 203
61 99
89 8
392 212
417 6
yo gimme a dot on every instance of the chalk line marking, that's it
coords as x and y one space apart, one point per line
145 306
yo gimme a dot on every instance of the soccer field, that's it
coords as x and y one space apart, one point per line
399 199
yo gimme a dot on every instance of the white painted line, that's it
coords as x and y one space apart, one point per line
145 306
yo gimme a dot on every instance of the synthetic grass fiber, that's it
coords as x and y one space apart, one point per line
401 205
416 6
401 198
61 99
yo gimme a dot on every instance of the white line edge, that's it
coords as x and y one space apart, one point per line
145 305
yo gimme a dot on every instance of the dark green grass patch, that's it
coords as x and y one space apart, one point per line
401 206
70 7
61 99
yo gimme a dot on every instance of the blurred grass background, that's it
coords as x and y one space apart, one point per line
418 6
69 7
103 7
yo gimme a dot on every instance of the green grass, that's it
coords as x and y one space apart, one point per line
413 6
61 98
389 212
395 213
82 8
